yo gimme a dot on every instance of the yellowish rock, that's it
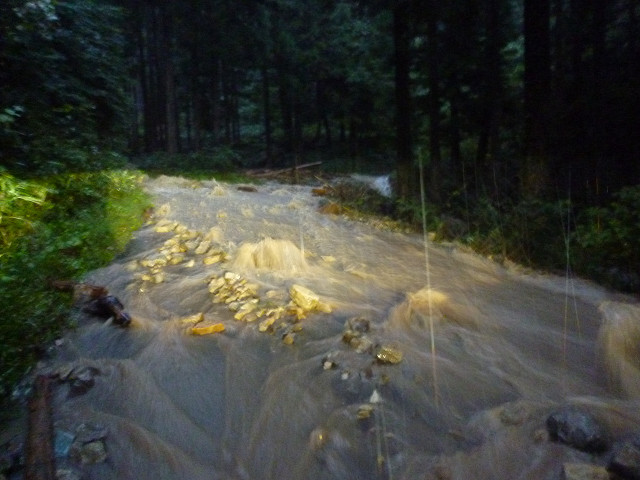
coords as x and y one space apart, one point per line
245 309
364 411
389 355
211 259
288 339
216 284
193 319
324 307
303 297
165 226
267 324
215 328
203 247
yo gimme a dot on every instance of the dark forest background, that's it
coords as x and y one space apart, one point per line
523 115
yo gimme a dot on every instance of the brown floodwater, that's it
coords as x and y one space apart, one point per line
449 375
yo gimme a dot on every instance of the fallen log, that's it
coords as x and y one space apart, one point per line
96 300
40 460
269 173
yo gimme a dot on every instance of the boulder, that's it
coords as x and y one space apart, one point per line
583 471
625 461
578 429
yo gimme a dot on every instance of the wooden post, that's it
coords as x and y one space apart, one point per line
40 461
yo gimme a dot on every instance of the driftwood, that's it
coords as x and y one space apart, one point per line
95 299
40 460
271 173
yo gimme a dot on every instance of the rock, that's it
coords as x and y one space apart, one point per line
62 441
331 208
388 355
82 380
165 226
247 188
626 461
92 453
358 324
246 308
583 471
577 429
303 297
86 433
209 329
288 338
364 411
193 319
203 247
212 259
267 325
12 455
67 474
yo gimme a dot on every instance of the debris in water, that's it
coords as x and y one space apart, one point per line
247 188
375 397
388 355
209 329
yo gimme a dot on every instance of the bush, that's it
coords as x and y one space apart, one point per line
608 241
64 242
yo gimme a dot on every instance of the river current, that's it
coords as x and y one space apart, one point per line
414 364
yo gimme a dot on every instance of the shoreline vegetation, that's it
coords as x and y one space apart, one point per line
56 227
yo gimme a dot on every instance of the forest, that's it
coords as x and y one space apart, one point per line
522 116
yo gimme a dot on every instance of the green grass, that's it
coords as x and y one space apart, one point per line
81 222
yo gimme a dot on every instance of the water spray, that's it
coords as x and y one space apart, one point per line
436 394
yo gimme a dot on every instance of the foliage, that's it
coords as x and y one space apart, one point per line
21 203
64 83
65 242
607 238
202 164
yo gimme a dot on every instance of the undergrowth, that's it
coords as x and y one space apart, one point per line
55 227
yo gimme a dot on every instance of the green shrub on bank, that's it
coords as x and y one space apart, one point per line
83 221
609 241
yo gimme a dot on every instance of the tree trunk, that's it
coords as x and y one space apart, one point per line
435 157
492 86
266 103
537 84
407 185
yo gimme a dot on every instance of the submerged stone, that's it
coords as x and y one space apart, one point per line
626 461
578 429
388 355
92 453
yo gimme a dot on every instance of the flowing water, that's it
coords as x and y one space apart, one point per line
308 398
